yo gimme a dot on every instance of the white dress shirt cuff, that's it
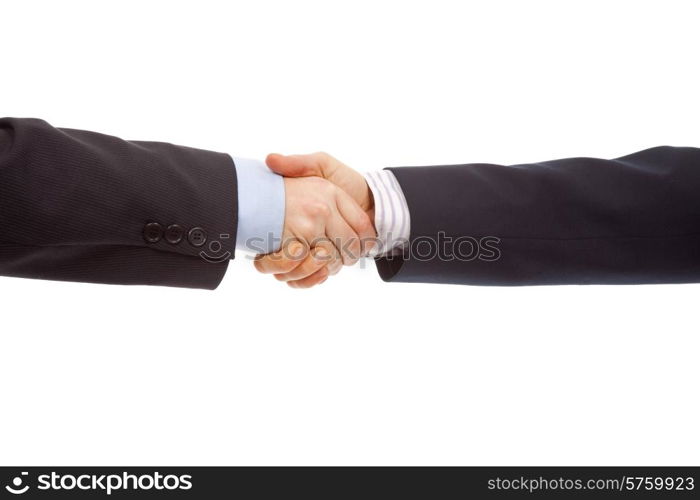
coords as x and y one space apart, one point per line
392 219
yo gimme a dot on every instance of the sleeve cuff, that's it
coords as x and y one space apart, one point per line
392 219
260 207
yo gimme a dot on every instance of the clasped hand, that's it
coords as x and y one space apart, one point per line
328 223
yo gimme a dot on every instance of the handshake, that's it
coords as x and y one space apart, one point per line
328 222
83 206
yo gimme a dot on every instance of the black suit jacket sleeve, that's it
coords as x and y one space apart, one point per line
635 219
74 204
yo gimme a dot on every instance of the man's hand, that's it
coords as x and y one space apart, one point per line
300 270
325 166
323 229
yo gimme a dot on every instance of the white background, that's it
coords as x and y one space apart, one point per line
357 371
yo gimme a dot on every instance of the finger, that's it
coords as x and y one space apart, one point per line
358 220
334 263
335 266
344 238
317 259
315 164
286 259
315 279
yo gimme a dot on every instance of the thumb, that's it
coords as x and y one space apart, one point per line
294 165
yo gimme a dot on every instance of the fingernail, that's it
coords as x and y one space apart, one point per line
295 249
320 254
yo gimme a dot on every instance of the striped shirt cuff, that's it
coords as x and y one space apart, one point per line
391 216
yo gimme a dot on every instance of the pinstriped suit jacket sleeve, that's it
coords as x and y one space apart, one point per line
631 220
74 205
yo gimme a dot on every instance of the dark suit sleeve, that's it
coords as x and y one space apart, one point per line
631 220
74 205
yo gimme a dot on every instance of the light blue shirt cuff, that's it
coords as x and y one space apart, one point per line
260 207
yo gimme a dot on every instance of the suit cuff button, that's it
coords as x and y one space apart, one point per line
152 232
174 234
197 237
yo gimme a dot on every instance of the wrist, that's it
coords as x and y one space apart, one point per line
368 204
